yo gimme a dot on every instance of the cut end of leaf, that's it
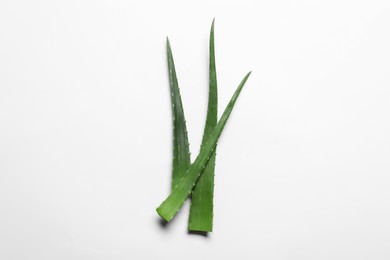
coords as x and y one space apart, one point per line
163 214
200 228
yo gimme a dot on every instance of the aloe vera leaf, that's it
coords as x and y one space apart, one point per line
181 152
201 210
171 205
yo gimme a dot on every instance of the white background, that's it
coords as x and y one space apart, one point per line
303 169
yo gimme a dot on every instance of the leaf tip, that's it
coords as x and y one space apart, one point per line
212 25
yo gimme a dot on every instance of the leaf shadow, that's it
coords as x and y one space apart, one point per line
198 233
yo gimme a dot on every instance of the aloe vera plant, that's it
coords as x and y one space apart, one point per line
197 178
181 152
201 210
171 205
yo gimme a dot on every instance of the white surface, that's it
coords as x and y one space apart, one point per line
303 169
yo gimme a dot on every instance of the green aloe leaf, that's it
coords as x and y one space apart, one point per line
169 207
181 151
201 210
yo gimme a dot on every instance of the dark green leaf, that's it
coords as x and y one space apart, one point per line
181 151
201 210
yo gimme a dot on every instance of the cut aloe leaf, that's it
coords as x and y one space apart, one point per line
169 207
181 151
201 210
